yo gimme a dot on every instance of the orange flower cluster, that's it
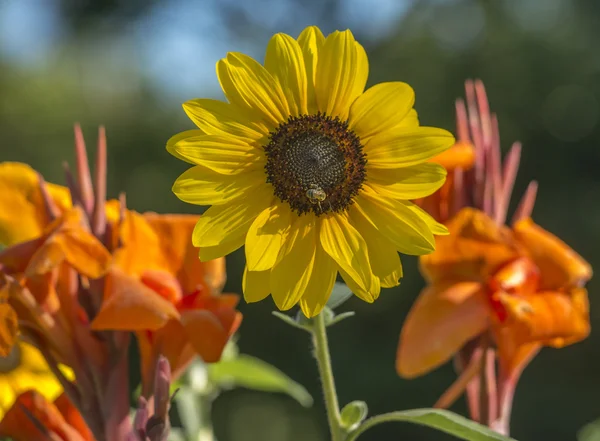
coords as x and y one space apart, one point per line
521 284
495 293
80 273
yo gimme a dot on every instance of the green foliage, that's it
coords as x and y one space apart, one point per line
590 432
250 372
353 414
441 420
339 295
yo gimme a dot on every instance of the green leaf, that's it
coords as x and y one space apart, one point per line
442 420
589 432
189 411
339 295
250 372
290 321
338 318
353 414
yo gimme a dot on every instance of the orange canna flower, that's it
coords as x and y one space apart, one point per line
86 264
523 284
33 418
160 289
494 292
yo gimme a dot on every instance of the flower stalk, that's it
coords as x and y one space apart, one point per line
321 352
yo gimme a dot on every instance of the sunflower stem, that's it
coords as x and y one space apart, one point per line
323 357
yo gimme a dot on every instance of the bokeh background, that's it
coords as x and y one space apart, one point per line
129 64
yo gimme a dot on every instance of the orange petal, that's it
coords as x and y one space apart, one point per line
513 357
550 318
85 253
461 154
72 417
22 213
15 259
17 423
129 305
475 248
560 266
175 234
66 239
520 276
164 242
206 333
444 317
162 283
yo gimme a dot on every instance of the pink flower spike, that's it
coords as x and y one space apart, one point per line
99 215
460 197
72 186
494 170
51 209
141 418
462 122
162 384
484 112
509 174
525 207
477 136
84 177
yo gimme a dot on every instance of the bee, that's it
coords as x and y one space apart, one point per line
316 195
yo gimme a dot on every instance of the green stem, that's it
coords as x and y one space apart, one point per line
373 421
324 362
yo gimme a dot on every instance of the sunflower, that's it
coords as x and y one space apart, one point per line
310 171
23 369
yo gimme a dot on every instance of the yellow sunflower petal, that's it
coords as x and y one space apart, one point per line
380 108
265 237
403 148
404 183
367 296
284 60
227 247
249 85
399 224
255 285
385 261
347 247
291 276
436 228
180 137
411 120
320 284
215 117
203 186
311 41
342 72
222 223
223 154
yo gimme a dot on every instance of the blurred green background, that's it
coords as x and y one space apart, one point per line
129 64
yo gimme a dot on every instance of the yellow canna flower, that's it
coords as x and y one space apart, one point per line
310 171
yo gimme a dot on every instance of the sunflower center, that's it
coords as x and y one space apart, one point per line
11 361
315 163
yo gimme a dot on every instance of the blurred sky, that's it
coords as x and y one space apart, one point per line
177 42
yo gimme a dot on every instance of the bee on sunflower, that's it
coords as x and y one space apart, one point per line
310 171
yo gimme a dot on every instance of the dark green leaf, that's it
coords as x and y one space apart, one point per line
442 420
253 373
